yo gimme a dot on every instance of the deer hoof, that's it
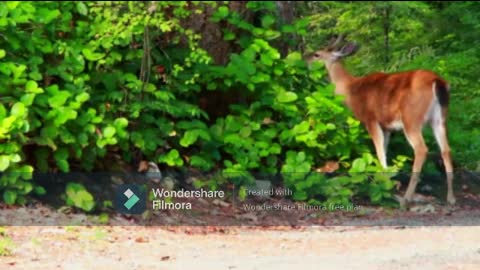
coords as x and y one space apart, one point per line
451 200
402 201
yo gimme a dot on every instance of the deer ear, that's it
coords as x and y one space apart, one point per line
350 48
346 50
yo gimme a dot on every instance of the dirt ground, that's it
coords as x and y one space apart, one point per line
428 236
130 247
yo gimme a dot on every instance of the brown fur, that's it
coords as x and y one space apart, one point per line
403 96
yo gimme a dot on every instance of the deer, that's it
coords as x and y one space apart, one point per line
389 102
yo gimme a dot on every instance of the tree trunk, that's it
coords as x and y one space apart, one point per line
286 11
386 33
211 33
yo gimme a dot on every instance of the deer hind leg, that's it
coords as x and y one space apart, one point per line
386 140
415 138
439 130
379 140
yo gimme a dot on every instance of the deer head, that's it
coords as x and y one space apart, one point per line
333 52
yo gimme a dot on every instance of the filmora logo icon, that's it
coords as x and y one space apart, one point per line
130 199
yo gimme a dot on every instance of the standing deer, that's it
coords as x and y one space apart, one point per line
397 101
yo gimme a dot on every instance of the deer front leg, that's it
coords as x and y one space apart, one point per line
379 140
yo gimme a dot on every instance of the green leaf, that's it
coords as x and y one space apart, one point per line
15 158
12 4
271 34
39 190
293 59
222 12
92 56
82 139
300 157
61 156
27 99
375 194
78 196
266 59
267 21
9 197
108 132
3 112
82 97
58 99
103 218
49 131
275 149
345 192
64 114
27 188
358 178
46 15
358 165
18 109
200 162
232 124
4 162
288 28
300 195
228 35
286 97
63 165
82 8
45 141
191 124
234 139
189 138
26 172
32 87
4 22
303 127
84 200
172 158
120 123
2 53
242 193
245 132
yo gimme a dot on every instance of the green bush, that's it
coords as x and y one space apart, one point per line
82 80
77 195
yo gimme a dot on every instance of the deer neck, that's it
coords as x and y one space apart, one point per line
340 77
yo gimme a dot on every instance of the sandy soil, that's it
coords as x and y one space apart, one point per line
132 247
433 237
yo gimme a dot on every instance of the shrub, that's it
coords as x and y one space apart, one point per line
81 81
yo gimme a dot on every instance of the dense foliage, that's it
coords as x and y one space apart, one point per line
395 36
94 85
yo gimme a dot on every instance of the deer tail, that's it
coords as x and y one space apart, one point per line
442 91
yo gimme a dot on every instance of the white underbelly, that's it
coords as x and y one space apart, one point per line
395 125
432 116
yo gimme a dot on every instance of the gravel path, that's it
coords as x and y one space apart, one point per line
132 248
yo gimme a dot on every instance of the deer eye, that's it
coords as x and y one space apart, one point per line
316 55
